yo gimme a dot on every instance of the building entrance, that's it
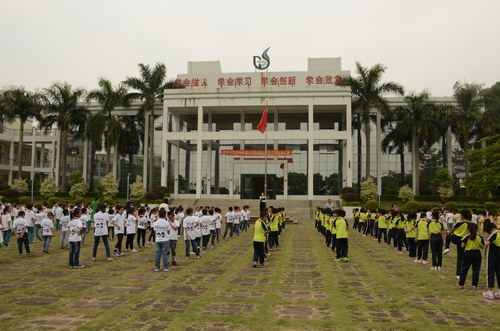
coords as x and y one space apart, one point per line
252 185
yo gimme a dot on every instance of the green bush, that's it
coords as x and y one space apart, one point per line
450 205
369 189
411 206
24 200
351 203
349 197
52 201
490 205
20 185
371 204
406 193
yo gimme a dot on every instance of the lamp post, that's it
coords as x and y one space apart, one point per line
32 185
128 184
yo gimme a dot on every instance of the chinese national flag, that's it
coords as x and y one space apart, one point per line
262 126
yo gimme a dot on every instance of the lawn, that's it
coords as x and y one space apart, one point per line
300 288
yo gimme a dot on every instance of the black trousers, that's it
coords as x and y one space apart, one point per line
141 235
118 246
96 244
258 252
342 248
206 240
334 241
328 238
471 258
24 240
437 250
111 231
423 249
356 223
401 239
229 228
152 235
392 236
129 244
460 251
361 227
493 266
384 232
273 239
412 247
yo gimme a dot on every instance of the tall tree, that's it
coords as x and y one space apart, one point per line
467 116
104 124
369 94
444 116
62 108
22 105
149 88
418 116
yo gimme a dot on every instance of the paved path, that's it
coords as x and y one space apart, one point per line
301 288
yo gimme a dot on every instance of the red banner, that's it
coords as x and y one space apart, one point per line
256 152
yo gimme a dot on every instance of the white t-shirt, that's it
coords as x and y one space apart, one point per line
20 225
64 223
47 226
111 217
6 221
449 218
100 224
246 214
29 216
74 226
119 224
174 233
84 219
229 217
164 206
59 213
237 218
39 217
217 220
212 223
190 225
131 221
206 222
197 227
163 230
141 223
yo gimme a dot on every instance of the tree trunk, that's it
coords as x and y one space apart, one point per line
466 159
151 150
360 152
64 154
20 151
402 160
368 147
417 164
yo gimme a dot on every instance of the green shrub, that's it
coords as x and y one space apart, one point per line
108 200
450 205
490 205
411 206
349 197
351 203
406 193
24 200
137 189
108 186
78 190
52 201
48 187
371 204
20 185
369 189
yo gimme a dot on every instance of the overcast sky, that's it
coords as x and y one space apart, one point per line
425 44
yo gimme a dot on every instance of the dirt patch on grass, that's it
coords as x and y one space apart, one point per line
239 294
302 295
102 303
36 301
186 291
230 308
302 312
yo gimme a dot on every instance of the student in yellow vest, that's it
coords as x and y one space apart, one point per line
493 266
341 228
459 231
356 218
316 218
274 228
259 239
374 224
382 225
399 223
322 223
436 230
391 225
411 234
472 244
422 239
328 226
362 221
283 218
333 230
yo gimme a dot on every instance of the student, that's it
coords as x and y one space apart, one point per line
382 226
472 245
229 223
274 230
174 235
101 231
411 234
206 222
130 224
58 213
259 239
7 225
21 230
111 228
332 217
162 230
64 228
84 219
356 218
218 224
455 236
152 219
493 247
422 239
119 225
328 226
75 239
30 219
39 217
436 240
341 227
179 216
141 227
237 220
190 223
391 234
316 218
399 223
362 221
47 233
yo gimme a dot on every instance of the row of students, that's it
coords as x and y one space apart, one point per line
334 228
268 229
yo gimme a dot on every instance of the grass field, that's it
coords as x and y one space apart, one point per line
301 288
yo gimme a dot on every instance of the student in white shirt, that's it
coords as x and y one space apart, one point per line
58 213
237 220
218 224
21 230
47 226
111 227
211 213
141 227
174 234
206 222
130 223
179 216
119 224
7 225
84 219
190 224
101 219
246 218
64 229
152 219
229 223
75 239
39 217
30 219
163 229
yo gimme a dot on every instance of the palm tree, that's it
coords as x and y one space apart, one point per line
444 116
104 123
467 116
369 94
17 103
418 116
149 88
62 108
130 139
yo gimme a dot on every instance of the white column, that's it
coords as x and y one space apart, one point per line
145 155
11 163
449 151
379 151
209 164
310 154
85 158
414 167
176 170
114 162
58 158
348 151
231 180
53 156
199 152
285 180
164 149
33 151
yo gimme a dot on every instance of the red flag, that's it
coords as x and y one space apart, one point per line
262 126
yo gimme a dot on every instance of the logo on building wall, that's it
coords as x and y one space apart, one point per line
262 63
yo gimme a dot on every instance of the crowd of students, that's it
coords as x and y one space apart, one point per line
199 228
413 233
267 231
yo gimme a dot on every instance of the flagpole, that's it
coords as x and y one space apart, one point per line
265 164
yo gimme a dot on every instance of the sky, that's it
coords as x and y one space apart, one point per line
426 44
